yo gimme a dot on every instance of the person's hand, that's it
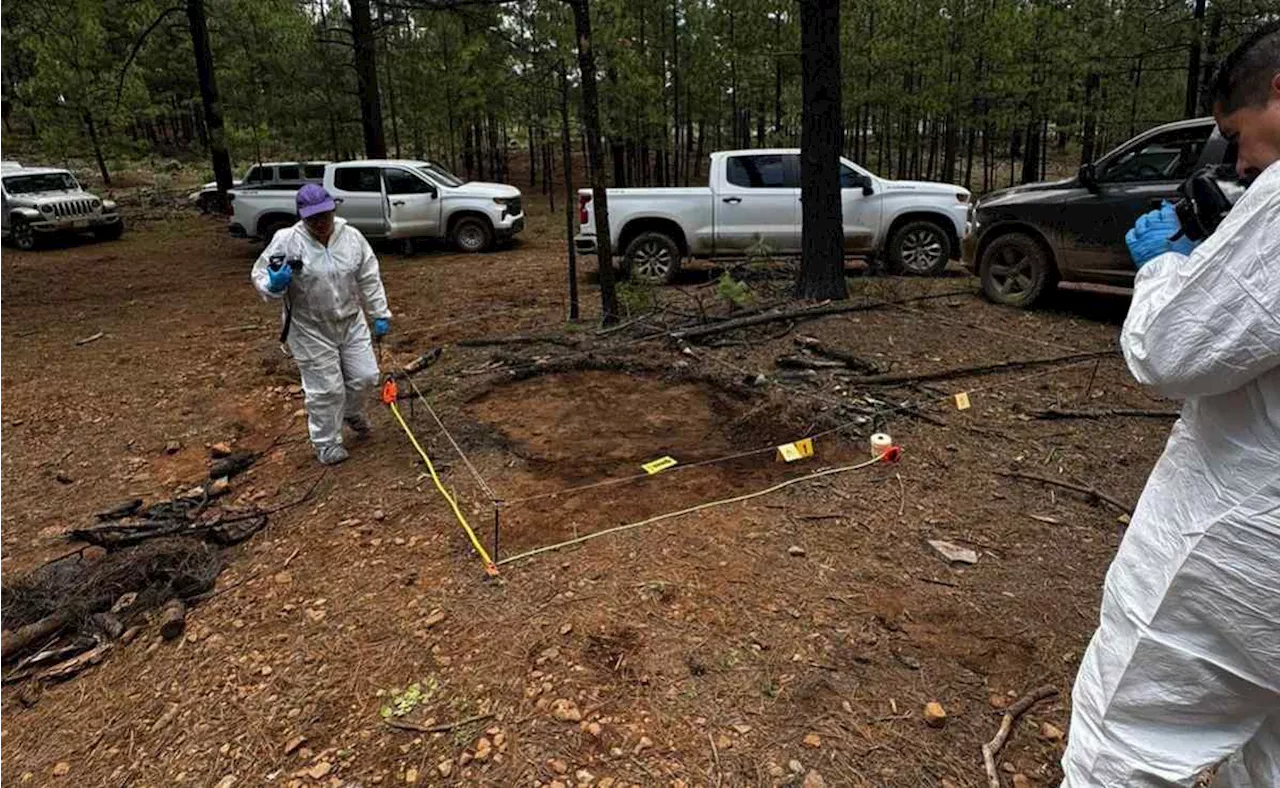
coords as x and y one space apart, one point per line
278 279
381 326
1149 237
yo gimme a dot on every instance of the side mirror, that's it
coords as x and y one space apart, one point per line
1088 177
867 191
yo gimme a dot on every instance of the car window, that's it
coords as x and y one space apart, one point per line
257 174
1170 156
402 182
439 174
313 172
358 179
765 171
290 172
43 182
851 178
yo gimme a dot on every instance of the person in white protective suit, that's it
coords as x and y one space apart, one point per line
327 332
1184 669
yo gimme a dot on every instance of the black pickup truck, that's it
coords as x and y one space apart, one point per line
1023 241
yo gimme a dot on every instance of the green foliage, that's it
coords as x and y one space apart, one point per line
636 297
403 702
734 292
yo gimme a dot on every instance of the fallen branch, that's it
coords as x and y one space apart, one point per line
444 727
802 313
800 362
843 356
518 339
22 639
1011 715
87 340
1092 492
1052 414
981 369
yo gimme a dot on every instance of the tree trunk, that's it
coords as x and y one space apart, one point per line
1089 133
1031 153
1192 96
595 167
391 85
209 96
366 61
566 150
1211 60
97 148
822 229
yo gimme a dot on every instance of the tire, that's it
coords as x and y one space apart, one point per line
1016 271
268 228
472 235
919 248
652 257
111 232
22 234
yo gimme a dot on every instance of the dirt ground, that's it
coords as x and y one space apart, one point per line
791 637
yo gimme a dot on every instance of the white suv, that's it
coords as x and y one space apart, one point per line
41 201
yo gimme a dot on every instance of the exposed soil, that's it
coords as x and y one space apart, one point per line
697 651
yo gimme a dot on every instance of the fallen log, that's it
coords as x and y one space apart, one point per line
981 369
17 641
800 362
173 619
849 360
1052 414
518 339
802 313
65 670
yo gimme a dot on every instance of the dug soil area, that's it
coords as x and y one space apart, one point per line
792 637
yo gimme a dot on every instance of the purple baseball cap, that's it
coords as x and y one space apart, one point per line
313 199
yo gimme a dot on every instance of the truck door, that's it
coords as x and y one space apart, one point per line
415 204
358 191
758 202
861 210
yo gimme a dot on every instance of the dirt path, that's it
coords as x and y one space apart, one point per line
698 651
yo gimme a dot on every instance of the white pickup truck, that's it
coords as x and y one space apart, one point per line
753 201
393 198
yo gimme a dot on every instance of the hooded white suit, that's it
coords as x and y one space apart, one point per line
1184 669
329 337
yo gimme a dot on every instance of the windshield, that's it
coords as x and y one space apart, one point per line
439 174
44 182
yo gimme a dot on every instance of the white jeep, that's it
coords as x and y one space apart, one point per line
42 201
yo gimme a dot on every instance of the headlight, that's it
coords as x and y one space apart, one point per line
96 204
503 200
46 209
108 205
962 197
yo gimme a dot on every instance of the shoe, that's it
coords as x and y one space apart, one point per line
331 454
360 424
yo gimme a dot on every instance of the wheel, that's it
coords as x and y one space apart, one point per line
110 232
919 248
652 257
1015 270
205 203
272 225
472 234
24 237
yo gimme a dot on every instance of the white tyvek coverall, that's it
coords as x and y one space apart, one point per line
1184 669
329 338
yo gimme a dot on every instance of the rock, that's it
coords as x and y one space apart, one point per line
291 746
742 730
378 514
565 710
558 784
813 741
814 780
219 486
606 782
464 759
796 551
594 729
584 776
948 783
226 782
998 701
436 616
61 769
63 477
284 578
173 447
484 748
411 775
558 766
445 767
954 552
566 629
795 766
1051 732
319 770
1021 781
644 744
775 771
220 450
934 715
724 742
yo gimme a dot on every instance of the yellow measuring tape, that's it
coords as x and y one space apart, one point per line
389 398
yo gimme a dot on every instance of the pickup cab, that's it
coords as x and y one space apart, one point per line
752 201
393 199
286 175
1025 240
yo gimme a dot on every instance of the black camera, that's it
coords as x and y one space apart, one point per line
276 261
1206 199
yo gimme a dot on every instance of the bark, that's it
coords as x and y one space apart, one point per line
595 167
209 95
566 150
366 62
1192 97
97 148
822 229
1089 134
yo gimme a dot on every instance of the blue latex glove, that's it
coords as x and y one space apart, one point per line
1149 237
278 279
381 326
